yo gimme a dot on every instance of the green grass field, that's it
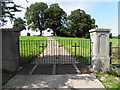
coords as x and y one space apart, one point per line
114 42
31 47
32 38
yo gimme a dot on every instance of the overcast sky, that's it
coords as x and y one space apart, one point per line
105 12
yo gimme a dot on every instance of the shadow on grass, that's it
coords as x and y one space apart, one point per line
26 60
83 59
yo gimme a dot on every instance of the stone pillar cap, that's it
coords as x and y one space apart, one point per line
100 30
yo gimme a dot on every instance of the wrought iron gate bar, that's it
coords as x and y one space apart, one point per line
55 51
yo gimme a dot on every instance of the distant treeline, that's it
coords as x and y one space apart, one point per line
40 16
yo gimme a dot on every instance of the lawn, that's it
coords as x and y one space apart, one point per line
82 50
31 47
114 42
32 38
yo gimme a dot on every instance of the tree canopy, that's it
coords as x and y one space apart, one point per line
6 9
55 16
35 16
39 17
19 24
118 36
78 24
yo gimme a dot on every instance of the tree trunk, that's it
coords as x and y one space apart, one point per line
54 34
40 32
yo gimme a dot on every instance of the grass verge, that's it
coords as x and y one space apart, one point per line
109 81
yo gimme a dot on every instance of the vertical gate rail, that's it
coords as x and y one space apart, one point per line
78 49
110 53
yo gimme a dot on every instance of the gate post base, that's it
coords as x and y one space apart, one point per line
101 64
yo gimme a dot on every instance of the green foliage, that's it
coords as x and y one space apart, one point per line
79 23
28 34
35 16
6 9
115 42
118 36
114 70
110 81
55 16
110 36
19 24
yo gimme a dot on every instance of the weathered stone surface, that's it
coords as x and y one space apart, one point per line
100 49
10 49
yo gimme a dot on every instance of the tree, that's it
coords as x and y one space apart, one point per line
69 29
110 36
35 16
28 34
79 23
6 11
19 24
55 17
118 36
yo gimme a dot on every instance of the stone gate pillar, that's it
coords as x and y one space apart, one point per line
100 59
10 49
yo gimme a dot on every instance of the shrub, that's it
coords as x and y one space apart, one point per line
114 70
28 34
118 36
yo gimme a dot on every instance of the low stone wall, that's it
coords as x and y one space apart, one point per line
10 49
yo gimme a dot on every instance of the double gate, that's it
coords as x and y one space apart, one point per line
54 51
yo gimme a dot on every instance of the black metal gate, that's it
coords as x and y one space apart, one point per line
54 51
